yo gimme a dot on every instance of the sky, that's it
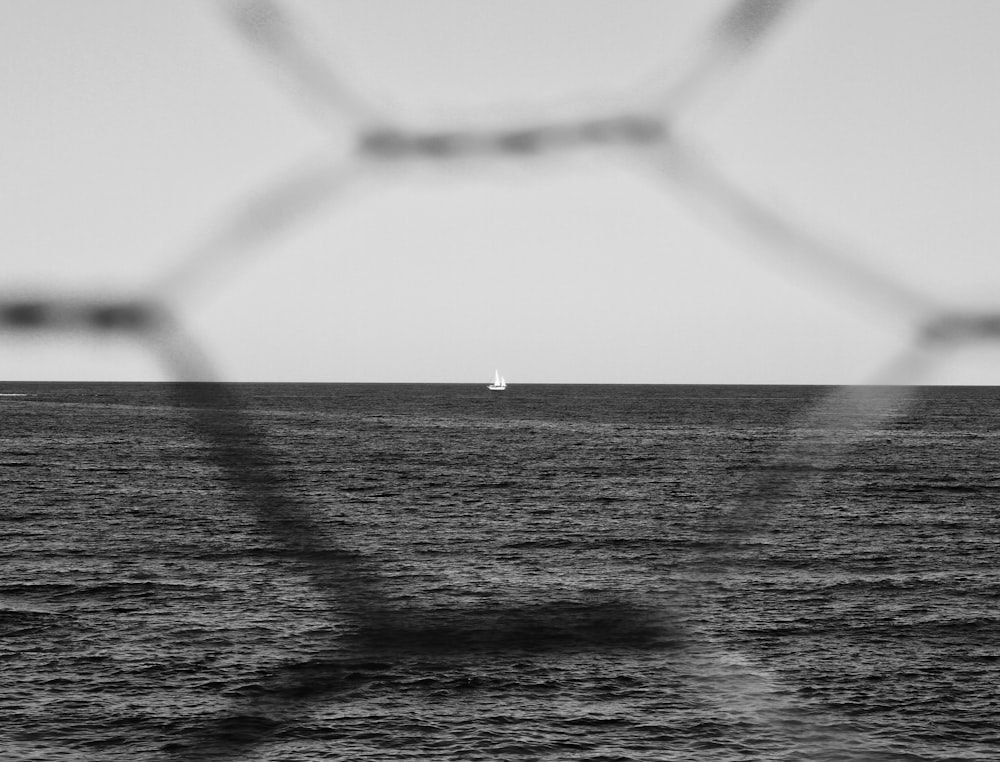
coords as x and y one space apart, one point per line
134 132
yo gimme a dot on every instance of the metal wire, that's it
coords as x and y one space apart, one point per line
642 130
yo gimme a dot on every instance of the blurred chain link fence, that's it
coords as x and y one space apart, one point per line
637 129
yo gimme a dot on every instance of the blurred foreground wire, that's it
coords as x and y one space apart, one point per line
641 129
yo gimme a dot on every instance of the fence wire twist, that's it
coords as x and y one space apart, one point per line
643 130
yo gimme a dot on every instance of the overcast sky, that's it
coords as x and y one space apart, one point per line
132 131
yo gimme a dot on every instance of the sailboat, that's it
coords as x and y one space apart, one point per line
498 384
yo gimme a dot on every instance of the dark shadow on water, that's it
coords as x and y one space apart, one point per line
387 650
378 633
556 626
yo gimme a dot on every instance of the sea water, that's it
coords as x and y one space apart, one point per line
415 572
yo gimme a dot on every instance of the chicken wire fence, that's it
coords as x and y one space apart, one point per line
639 130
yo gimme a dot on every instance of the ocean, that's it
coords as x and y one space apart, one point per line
439 572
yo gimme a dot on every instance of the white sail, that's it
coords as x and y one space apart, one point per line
499 384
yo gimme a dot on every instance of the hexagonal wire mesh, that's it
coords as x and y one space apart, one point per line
645 130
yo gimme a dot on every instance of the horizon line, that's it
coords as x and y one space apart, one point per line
484 384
